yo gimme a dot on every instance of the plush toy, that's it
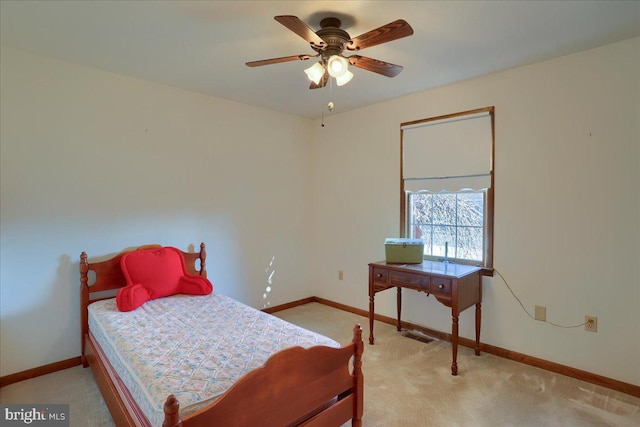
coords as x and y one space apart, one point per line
156 273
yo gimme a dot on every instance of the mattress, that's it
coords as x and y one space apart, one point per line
194 347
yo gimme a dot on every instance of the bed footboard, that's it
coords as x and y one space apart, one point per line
311 387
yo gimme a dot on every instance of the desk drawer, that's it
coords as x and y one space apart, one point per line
440 286
380 275
409 280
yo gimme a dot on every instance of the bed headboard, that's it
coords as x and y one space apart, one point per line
108 274
109 277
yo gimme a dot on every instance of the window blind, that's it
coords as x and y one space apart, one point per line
449 154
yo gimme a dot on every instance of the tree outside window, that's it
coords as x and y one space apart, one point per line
451 224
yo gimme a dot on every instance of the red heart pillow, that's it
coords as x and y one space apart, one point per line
156 273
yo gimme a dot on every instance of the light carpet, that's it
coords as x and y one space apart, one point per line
407 383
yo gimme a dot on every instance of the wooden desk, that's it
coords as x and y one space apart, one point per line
454 285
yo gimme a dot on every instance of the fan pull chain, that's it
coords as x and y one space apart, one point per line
330 104
322 109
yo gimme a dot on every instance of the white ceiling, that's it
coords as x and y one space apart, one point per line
203 45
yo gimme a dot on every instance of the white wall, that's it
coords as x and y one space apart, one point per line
99 162
567 207
96 162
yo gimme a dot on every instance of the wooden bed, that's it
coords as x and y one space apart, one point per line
313 387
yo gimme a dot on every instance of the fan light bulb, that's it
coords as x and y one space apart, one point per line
315 72
337 66
345 78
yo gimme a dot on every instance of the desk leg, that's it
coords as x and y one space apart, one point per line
399 298
371 311
478 320
454 346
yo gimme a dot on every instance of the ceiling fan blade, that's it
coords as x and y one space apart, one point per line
321 83
296 25
278 60
392 31
380 67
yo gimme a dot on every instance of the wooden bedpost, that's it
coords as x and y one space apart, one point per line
203 260
84 303
358 378
171 412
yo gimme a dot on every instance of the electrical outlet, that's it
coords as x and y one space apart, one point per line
591 323
340 275
541 313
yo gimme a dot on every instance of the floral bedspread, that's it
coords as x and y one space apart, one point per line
194 347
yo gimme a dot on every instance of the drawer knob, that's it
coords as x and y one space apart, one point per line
440 286
379 275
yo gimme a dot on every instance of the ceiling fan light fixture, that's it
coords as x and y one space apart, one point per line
345 78
330 42
337 66
315 72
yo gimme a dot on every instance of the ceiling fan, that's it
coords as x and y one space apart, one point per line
330 42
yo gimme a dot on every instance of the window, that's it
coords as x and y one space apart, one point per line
447 186
451 224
